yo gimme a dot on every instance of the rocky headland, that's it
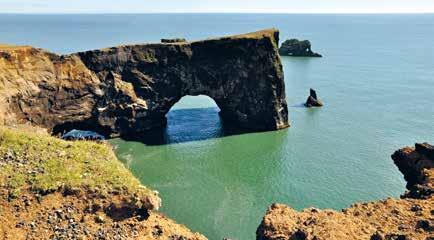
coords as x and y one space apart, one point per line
128 90
54 189
297 48
408 218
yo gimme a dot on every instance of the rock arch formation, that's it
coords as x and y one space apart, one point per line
127 90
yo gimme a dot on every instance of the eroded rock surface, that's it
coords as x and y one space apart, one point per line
417 165
128 90
411 217
297 48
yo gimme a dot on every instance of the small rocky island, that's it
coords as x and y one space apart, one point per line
297 48
313 101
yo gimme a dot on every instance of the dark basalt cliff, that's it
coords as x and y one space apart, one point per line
127 90
410 217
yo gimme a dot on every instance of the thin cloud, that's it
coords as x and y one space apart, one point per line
225 6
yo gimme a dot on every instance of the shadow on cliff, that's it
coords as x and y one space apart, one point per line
189 125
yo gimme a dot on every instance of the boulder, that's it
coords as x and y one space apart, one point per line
297 48
312 100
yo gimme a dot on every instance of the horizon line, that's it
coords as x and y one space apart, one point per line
215 12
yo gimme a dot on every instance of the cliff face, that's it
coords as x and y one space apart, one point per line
44 88
417 165
129 89
410 217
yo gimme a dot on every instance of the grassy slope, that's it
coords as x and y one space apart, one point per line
53 189
41 163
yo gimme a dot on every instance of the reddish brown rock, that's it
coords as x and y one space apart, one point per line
417 165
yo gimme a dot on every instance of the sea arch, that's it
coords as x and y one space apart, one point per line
128 90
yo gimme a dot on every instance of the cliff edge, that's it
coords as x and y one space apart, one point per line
54 189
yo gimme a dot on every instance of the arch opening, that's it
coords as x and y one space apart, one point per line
193 118
187 119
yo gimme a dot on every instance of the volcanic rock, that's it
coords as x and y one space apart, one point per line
312 100
297 48
127 90
417 165
173 40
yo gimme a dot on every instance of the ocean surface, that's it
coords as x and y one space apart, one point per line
376 79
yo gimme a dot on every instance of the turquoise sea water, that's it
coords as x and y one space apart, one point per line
376 79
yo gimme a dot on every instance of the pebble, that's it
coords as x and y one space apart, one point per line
99 219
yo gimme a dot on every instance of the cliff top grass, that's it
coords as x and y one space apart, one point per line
265 33
37 162
4 46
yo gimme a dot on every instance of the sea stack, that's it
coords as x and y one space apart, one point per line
297 48
312 100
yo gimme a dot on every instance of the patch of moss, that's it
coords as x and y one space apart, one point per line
41 163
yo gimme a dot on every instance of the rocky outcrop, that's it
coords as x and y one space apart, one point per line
297 48
128 90
410 217
313 101
417 165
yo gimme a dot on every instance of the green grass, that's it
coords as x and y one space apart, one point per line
41 163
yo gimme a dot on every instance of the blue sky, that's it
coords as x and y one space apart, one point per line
272 6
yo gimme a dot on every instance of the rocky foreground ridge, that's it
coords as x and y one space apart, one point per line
408 218
127 90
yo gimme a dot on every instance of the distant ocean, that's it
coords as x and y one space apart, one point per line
376 79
